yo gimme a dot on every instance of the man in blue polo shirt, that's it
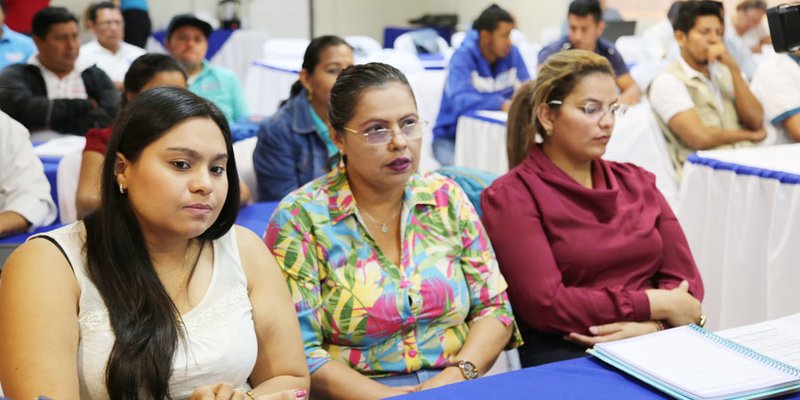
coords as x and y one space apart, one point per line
586 25
187 41
15 48
483 74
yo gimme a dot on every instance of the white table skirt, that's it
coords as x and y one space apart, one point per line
268 83
481 141
740 210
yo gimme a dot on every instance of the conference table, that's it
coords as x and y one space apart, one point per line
740 211
581 378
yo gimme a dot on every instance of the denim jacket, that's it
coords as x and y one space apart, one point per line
289 152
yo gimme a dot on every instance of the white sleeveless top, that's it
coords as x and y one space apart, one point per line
221 342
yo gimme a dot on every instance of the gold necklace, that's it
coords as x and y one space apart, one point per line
182 281
384 226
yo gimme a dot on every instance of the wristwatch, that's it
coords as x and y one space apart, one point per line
468 369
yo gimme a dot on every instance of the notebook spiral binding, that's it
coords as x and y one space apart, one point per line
781 366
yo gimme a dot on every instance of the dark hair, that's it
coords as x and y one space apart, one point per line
491 17
672 13
350 86
144 68
582 8
752 5
556 79
142 315
3 5
689 11
91 13
48 17
312 55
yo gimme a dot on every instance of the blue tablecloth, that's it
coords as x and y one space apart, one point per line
215 41
582 378
51 170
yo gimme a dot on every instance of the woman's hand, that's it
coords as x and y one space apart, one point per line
685 307
225 391
220 391
676 306
613 331
447 376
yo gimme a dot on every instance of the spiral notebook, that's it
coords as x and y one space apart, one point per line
690 362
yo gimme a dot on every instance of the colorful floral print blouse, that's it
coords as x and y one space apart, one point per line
356 306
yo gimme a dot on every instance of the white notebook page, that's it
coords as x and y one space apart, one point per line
685 359
778 338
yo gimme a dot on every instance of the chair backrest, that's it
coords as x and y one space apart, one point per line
550 34
363 46
637 139
282 48
243 151
399 59
67 175
471 180
518 38
457 39
424 40
631 48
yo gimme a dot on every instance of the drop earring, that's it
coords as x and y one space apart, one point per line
122 189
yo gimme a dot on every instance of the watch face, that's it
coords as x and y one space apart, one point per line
469 369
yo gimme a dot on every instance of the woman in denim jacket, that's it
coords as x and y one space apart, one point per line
293 145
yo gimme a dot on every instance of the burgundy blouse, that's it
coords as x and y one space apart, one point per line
575 257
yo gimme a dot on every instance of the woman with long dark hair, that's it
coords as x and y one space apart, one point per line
155 295
146 72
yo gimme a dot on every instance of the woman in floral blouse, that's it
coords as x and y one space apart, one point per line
390 270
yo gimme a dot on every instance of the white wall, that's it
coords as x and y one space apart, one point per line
369 17
290 18
282 18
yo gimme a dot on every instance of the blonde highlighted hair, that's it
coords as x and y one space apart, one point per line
556 79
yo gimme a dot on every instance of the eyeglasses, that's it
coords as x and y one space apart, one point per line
595 109
410 129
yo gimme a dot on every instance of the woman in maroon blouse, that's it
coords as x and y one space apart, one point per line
590 249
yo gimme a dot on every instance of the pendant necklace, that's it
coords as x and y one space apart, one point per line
384 226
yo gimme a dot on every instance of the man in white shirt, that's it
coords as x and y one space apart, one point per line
747 24
25 201
108 50
701 101
50 93
777 85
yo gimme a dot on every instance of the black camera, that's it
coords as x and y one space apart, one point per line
784 27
